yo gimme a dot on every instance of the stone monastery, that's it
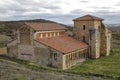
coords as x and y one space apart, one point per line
47 43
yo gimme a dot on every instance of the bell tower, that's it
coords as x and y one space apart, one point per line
87 29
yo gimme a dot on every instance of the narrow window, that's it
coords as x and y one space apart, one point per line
55 56
83 27
99 28
84 38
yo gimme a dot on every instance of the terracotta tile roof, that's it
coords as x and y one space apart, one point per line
45 26
88 17
63 44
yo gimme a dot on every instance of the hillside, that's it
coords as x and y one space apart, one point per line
100 69
8 29
15 69
5 25
115 36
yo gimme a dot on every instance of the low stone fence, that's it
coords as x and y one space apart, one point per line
3 51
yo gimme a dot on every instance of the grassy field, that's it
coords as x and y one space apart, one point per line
15 69
104 68
107 66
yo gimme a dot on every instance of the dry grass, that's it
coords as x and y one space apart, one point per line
15 69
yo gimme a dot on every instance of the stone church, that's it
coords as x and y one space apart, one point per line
48 44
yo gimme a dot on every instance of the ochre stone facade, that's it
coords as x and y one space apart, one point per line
91 30
37 42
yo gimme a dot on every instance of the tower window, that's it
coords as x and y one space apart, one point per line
83 27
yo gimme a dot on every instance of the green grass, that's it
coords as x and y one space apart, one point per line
117 43
116 36
105 66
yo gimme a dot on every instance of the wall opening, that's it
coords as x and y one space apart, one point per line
84 27
83 38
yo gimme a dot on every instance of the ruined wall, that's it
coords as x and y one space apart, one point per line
108 43
41 54
24 35
103 40
25 52
56 59
12 49
26 48
22 47
94 44
47 56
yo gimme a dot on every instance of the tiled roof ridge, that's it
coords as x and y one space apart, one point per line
45 26
88 17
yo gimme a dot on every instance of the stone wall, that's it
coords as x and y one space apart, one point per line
41 54
108 44
24 35
79 32
103 42
26 48
25 52
56 59
12 51
83 34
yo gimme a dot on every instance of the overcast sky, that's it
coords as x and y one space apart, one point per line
63 11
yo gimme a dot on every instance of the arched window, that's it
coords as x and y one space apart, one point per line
83 27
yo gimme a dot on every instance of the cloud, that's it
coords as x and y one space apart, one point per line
26 6
61 18
63 11
84 1
102 8
118 4
76 11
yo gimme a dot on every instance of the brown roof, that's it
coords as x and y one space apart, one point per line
45 26
88 17
63 44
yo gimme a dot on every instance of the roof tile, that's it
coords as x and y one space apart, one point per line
64 44
87 17
45 26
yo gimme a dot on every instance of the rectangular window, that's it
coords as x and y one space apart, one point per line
55 56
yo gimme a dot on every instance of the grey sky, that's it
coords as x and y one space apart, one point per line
63 11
